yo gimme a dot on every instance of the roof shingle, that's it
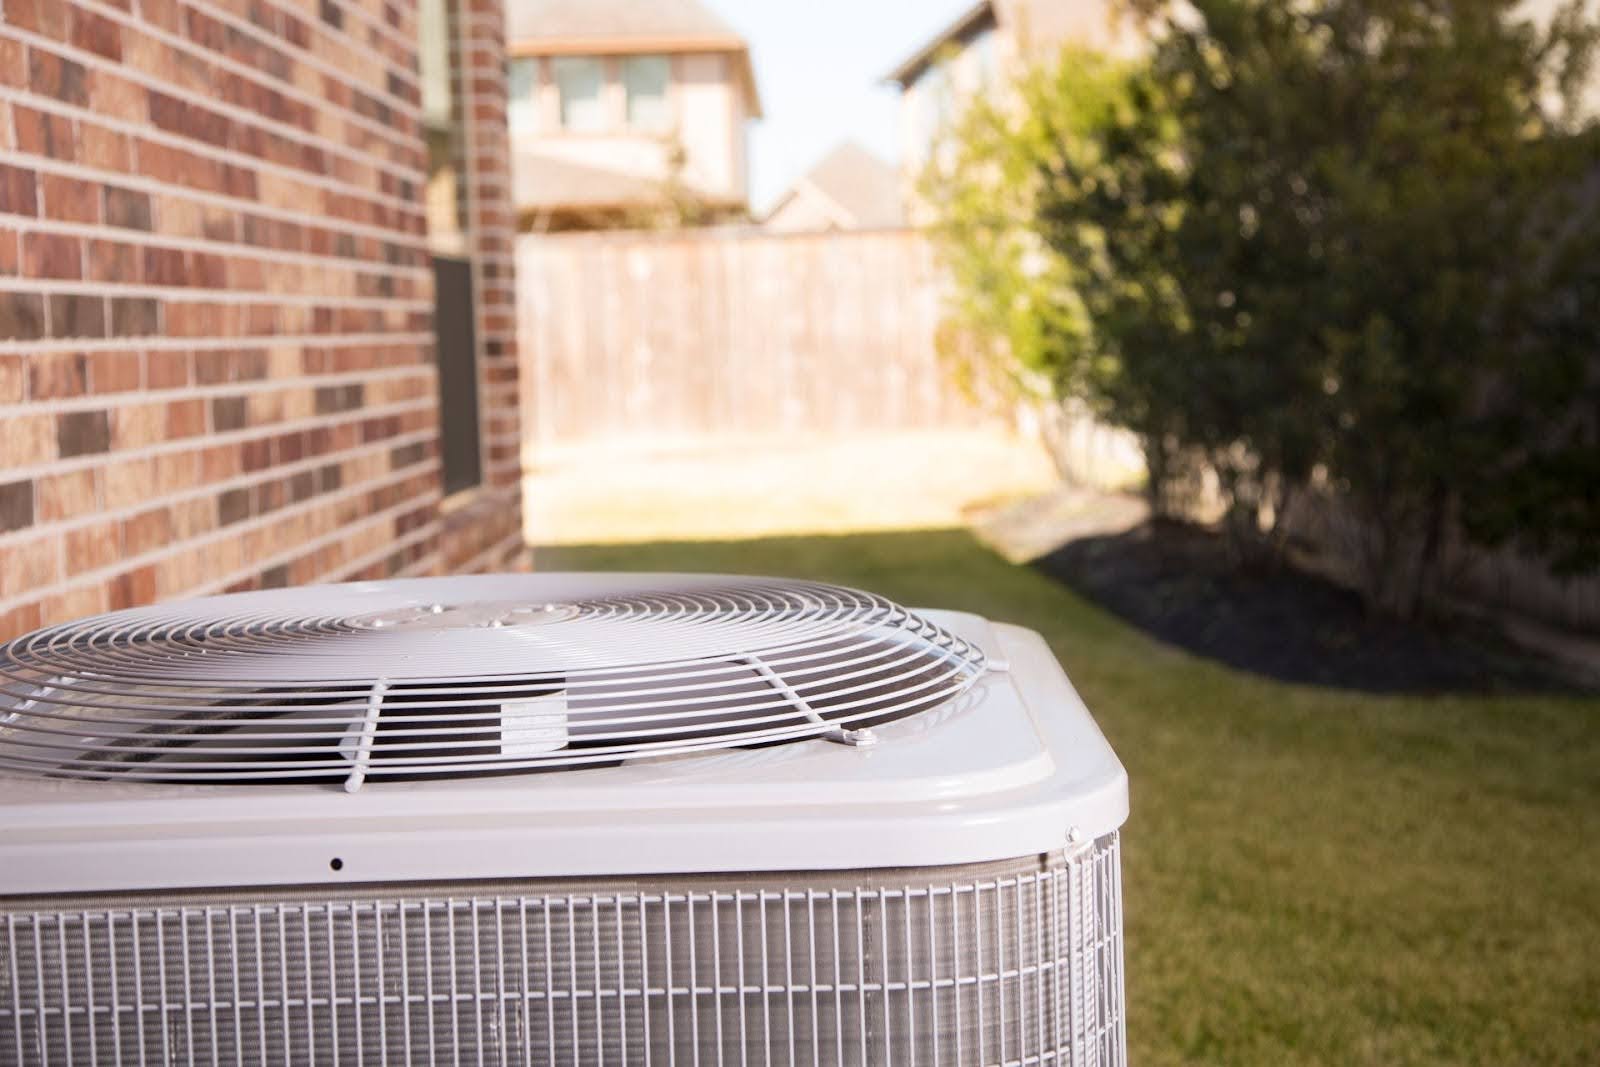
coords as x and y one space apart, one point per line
864 190
530 21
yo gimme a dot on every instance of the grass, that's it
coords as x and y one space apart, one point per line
1312 875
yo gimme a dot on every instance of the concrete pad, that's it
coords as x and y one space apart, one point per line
762 487
1025 530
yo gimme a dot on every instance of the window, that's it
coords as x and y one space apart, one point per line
456 345
522 104
933 104
579 82
984 50
645 79
433 59
455 341
442 128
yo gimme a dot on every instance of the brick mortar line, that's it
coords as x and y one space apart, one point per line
421 567
156 239
151 82
143 183
225 156
316 25
61 527
397 545
489 34
160 343
479 564
408 30
340 573
141 396
432 497
111 571
488 20
245 436
255 75
195 294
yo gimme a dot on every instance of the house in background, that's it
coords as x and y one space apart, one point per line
977 51
626 110
849 189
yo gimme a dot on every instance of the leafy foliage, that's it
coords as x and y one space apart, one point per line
1342 242
1017 314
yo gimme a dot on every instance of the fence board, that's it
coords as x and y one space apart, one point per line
637 337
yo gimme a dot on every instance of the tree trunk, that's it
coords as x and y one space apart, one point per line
1406 556
1158 475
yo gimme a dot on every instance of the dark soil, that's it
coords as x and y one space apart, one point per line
1177 582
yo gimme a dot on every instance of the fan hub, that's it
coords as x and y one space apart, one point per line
470 615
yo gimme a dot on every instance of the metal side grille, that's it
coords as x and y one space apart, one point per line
1014 963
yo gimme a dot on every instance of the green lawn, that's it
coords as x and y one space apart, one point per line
1312 876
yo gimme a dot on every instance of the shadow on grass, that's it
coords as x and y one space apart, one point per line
1312 875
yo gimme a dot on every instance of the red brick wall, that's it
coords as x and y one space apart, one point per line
216 365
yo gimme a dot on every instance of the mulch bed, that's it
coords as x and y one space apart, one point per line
1176 582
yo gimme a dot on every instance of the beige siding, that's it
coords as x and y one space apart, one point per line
706 124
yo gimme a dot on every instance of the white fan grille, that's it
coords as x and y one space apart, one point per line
464 675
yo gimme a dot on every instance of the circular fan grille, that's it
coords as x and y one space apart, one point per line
456 676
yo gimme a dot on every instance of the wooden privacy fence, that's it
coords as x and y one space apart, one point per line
641 338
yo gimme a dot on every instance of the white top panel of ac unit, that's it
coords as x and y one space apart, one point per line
1009 765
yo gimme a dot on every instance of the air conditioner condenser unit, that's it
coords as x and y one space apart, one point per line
554 819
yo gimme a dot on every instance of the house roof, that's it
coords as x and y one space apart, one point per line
859 190
616 20
625 27
1035 26
974 20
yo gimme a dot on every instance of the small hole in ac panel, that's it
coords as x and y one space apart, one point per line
336 863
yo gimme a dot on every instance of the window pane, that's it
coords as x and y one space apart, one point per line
645 78
988 61
933 103
579 82
456 343
522 75
433 57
